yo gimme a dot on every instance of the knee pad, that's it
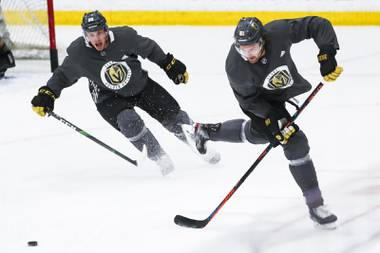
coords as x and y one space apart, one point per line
130 124
249 134
297 148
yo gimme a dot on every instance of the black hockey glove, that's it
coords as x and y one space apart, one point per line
329 69
276 131
44 101
175 69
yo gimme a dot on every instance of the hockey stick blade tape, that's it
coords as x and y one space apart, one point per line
190 223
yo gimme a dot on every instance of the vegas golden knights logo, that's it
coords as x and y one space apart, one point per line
279 78
115 75
255 26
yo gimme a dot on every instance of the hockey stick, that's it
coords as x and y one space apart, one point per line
192 223
64 121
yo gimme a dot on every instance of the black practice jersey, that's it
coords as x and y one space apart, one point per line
275 77
116 70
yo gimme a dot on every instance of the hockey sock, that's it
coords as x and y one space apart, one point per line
154 150
228 131
133 127
304 174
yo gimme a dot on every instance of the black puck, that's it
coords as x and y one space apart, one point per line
32 243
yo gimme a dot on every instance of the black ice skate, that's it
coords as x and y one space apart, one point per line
322 217
197 137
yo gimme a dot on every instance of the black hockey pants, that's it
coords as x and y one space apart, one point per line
158 103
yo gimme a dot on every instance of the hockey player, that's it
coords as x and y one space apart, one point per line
263 77
6 57
108 57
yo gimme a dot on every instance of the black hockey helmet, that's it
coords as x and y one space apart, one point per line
248 31
94 21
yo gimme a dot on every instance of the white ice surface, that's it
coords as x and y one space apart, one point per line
71 195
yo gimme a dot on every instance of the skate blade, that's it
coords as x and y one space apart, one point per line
165 166
211 156
166 171
328 226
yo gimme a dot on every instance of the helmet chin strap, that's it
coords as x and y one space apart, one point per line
86 41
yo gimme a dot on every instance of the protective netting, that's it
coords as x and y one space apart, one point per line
27 23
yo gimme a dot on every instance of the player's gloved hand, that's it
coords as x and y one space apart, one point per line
44 101
276 131
175 69
329 69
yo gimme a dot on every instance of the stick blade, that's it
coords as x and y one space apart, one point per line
189 223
